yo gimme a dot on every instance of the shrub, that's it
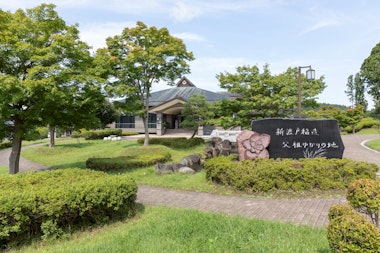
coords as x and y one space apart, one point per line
351 232
6 144
339 210
287 174
127 162
96 134
179 142
364 195
364 123
50 202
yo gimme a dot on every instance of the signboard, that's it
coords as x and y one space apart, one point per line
292 138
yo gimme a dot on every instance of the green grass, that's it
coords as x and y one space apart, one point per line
374 144
161 229
4 170
74 153
373 130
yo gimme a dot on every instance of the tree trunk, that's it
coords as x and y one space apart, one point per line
146 118
14 158
195 131
52 136
146 130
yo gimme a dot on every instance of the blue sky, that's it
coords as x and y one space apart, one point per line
333 36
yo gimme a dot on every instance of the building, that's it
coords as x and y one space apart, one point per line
165 108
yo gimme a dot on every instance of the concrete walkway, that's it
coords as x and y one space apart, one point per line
312 212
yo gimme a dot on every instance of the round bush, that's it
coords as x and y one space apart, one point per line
353 233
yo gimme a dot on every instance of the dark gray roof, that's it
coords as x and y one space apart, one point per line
184 93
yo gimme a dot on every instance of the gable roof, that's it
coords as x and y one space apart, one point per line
184 82
183 93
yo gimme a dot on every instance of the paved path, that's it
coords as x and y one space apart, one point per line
25 165
312 212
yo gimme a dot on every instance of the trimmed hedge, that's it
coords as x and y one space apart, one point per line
349 231
51 202
127 162
177 142
262 175
97 134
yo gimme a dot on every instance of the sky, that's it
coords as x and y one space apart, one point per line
334 37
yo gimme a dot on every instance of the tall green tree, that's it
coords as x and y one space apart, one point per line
370 71
197 112
106 113
43 76
356 91
140 57
263 95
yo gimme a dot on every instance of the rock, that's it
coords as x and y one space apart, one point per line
192 161
167 168
186 170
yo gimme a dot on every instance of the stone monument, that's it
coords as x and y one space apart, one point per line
292 138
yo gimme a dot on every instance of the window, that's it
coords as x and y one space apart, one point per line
125 121
152 120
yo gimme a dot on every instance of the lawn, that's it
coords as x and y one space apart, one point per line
74 153
374 144
162 229
4 170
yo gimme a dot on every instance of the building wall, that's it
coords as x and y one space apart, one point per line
139 127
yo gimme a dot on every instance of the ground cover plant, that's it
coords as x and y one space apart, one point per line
162 229
178 142
99 134
144 157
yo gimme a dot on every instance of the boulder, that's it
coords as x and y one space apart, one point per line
186 170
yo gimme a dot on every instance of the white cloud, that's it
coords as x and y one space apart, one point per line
189 36
321 24
95 34
185 11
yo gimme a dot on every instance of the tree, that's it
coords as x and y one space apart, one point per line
140 57
263 95
369 71
344 117
354 115
356 91
197 112
106 113
43 76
